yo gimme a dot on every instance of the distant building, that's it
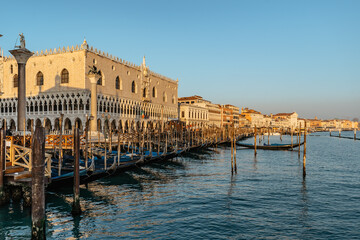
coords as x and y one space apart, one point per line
233 114
193 111
194 116
243 122
254 117
285 120
218 115
214 114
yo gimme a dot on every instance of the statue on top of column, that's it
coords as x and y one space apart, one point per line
22 41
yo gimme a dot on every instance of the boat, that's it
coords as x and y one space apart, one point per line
275 146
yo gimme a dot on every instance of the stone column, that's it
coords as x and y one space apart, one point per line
93 80
21 55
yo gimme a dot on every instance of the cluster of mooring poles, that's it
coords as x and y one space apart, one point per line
300 130
138 146
339 136
233 140
142 145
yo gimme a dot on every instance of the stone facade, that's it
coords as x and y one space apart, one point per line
128 95
213 110
218 115
230 115
285 120
214 114
254 117
194 116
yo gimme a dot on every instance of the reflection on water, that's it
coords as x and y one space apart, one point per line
304 201
195 196
255 162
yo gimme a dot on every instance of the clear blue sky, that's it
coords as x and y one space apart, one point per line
274 56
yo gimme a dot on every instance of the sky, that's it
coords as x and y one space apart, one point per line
272 56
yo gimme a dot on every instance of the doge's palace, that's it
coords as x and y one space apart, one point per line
129 96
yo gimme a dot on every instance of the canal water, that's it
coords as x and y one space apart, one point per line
196 197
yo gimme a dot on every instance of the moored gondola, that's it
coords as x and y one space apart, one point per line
270 146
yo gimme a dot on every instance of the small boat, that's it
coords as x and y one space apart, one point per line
274 134
270 146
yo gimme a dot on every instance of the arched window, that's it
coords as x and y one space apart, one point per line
144 92
164 97
154 92
11 69
133 87
16 81
117 83
100 82
64 76
173 99
39 79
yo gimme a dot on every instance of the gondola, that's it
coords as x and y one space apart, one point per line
271 146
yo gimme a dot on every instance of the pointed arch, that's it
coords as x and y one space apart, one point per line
39 79
38 123
64 76
48 126
67 124
145 92
100 80
12 125
133 87
99 125
117 83
154 92
113 125
57 124
78 124
16 81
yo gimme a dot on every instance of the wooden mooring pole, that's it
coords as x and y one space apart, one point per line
260 135
86 141
24 132
60 144
234 138
105 150
304 157
355 134
232 154
2 158
38 189
76 209
3 197
255 132
299 140
118 148
292 140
